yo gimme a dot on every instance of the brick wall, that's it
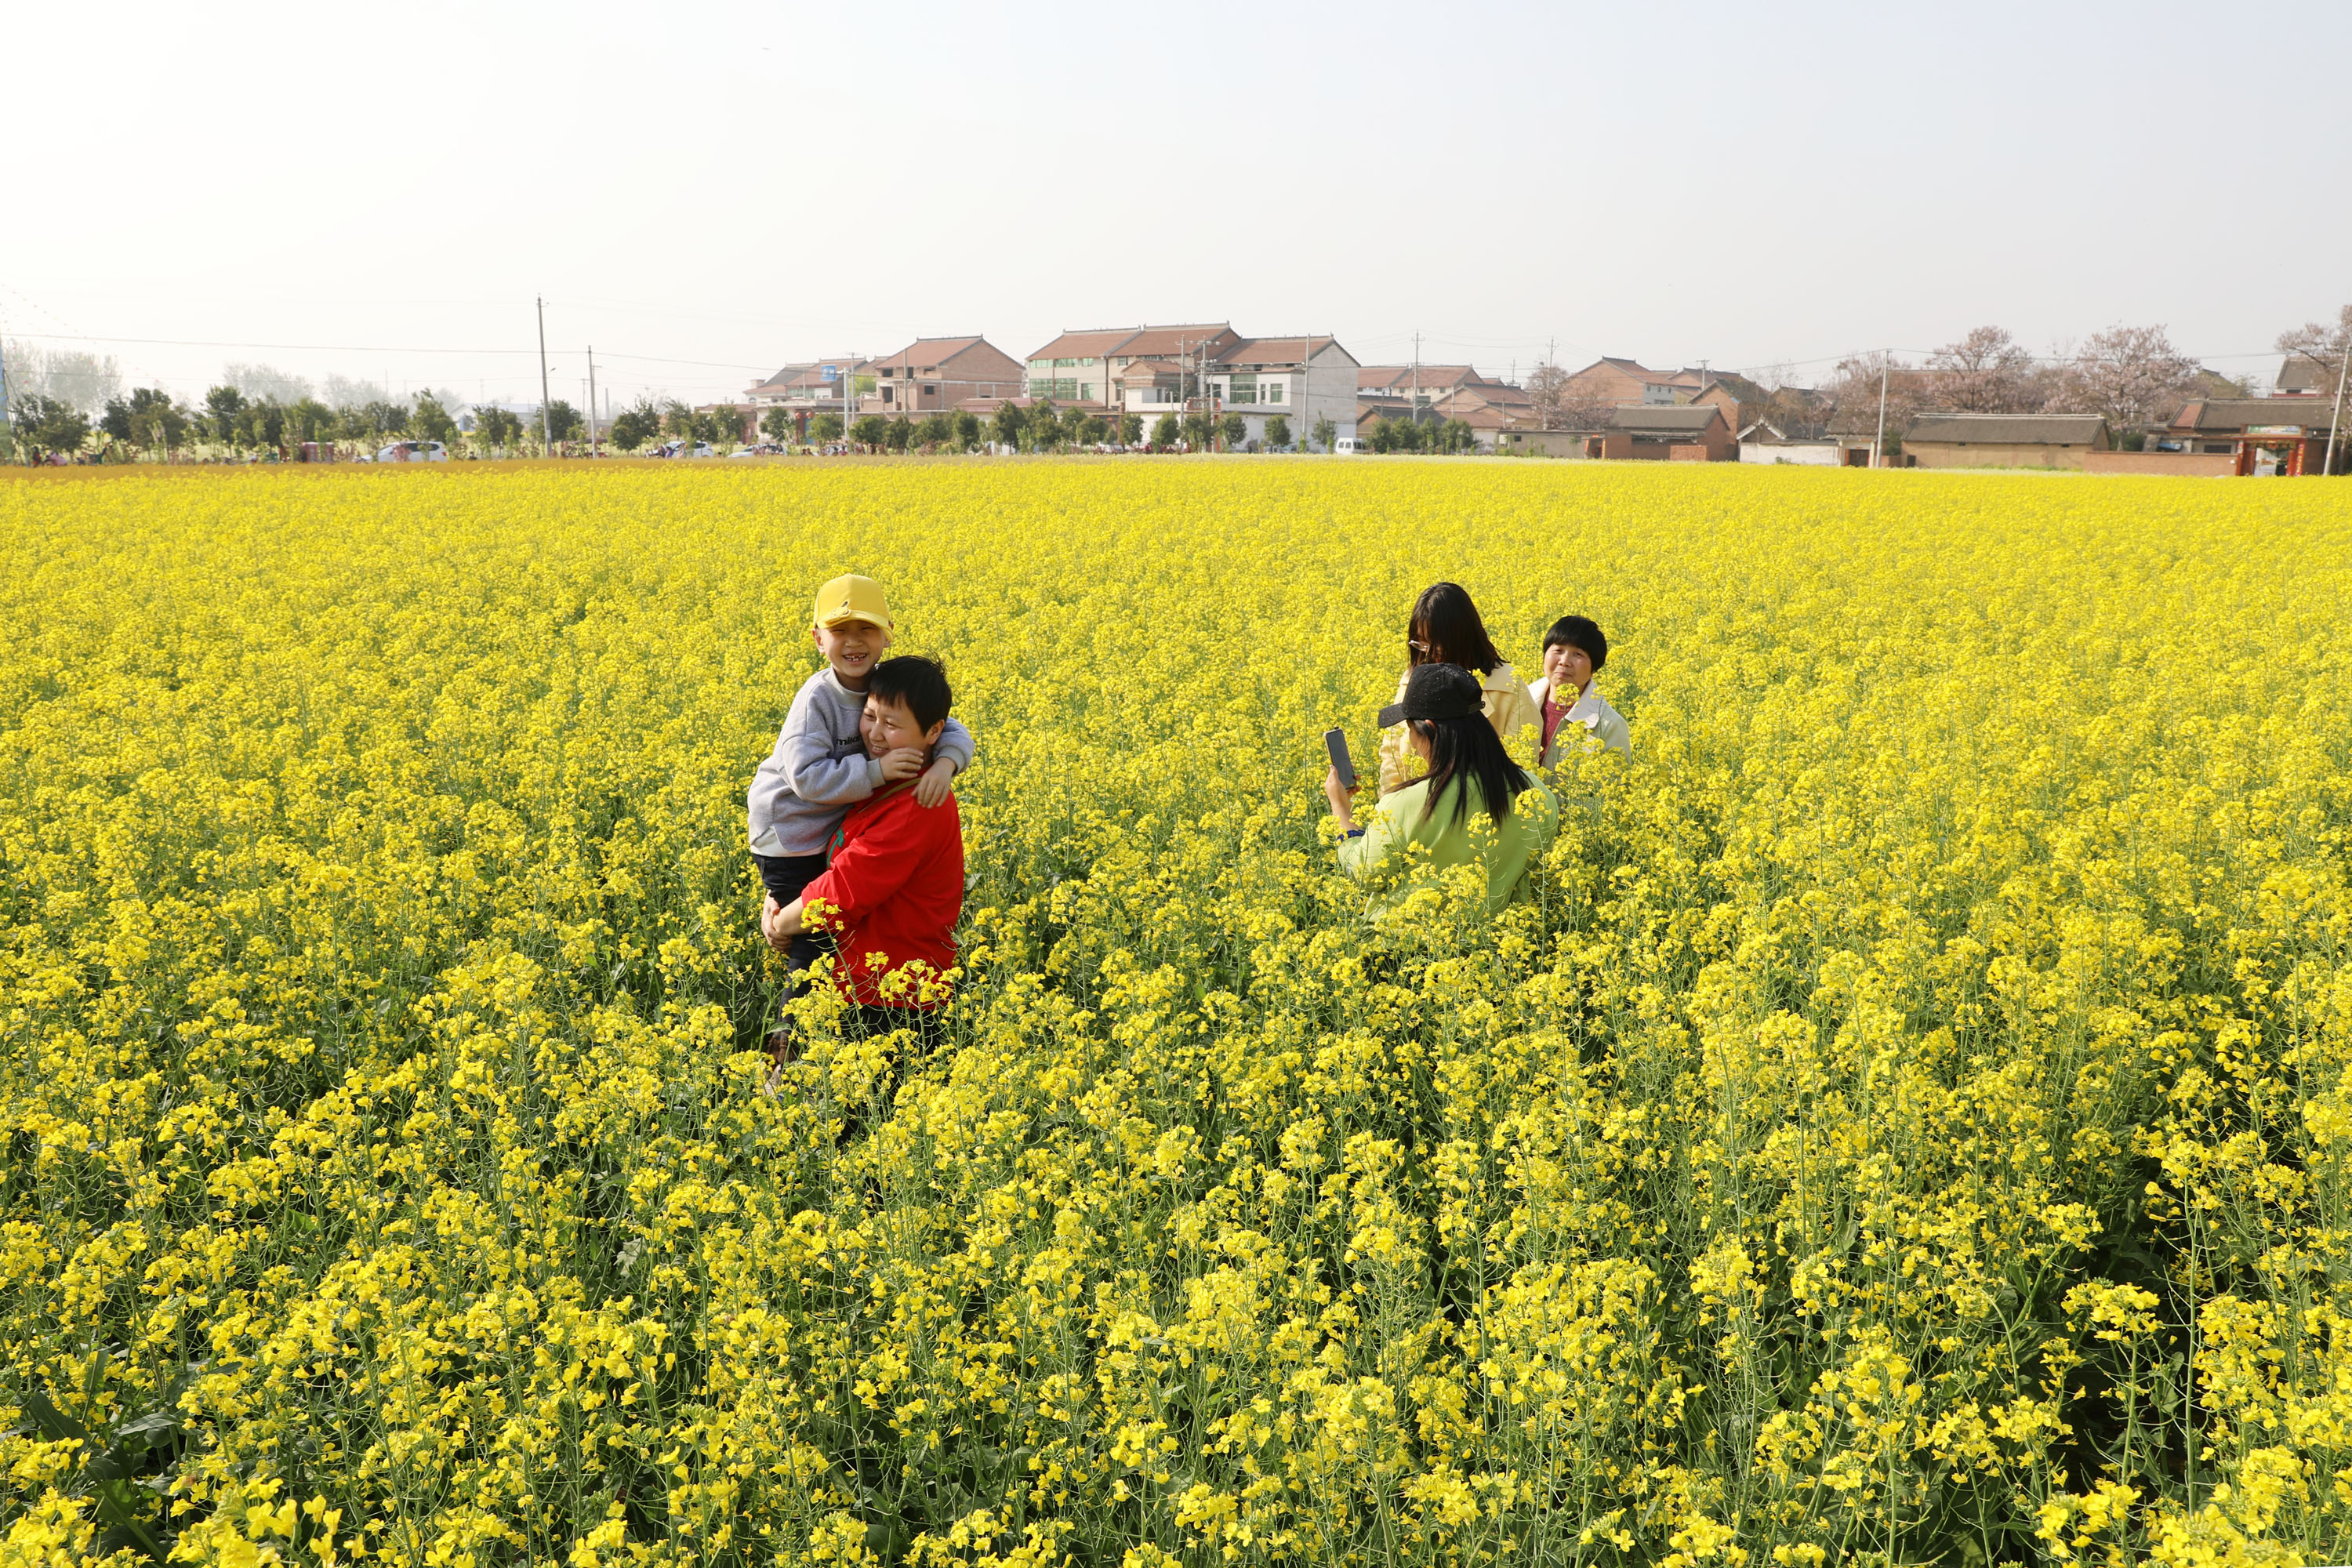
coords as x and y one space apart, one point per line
2204 465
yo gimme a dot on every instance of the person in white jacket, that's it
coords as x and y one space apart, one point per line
1574 650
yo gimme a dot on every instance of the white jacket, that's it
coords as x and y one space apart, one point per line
1604 724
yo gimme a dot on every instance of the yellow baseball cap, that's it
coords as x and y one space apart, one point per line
848 599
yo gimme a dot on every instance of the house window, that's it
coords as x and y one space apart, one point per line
930 389
1244 389
1270 392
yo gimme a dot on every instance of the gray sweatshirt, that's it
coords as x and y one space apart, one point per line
820 769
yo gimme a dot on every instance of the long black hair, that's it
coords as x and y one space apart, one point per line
1466 751
1445 630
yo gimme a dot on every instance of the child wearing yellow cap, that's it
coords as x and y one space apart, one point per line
820 768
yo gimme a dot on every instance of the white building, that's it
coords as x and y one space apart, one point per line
1202 368
1761 443
1296 380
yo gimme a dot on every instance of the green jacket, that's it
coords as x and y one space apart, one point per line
1397 821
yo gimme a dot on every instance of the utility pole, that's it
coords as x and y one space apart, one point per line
1189 388
546 440
2336 420
592 400
1878 444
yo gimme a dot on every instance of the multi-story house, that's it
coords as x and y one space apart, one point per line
1440 392
932 375
1200 367
1623 384
1302 381
806 390
1085 366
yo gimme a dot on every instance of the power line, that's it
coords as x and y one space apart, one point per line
360 348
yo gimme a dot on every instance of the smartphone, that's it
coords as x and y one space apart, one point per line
1336 742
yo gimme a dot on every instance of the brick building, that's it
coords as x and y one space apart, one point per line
1624 383
933 376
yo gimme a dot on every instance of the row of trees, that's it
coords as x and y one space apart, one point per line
1040 427
151 421
1392 435
2134 376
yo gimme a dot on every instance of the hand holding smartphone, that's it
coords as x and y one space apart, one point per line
1336 742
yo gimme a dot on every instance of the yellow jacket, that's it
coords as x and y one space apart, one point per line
1508 708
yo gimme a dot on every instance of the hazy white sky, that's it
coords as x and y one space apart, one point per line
380 192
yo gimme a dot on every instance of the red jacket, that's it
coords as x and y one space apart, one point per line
894 891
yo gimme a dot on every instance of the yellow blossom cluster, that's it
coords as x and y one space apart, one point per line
1910 1122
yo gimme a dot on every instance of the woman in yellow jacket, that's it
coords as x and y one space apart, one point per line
1445 630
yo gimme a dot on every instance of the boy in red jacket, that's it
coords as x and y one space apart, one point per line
895 886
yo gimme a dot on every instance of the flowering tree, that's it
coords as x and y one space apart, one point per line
1987 372
2131 374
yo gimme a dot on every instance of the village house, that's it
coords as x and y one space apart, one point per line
1199 367
2272 435
1684 434
807 390
1299 380
1623 383
1671 434
2004 440
1743 402
1084 366
2300 375
1488 404
1765 443
934 375
1854 427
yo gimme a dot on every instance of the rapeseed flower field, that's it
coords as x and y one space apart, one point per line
1910 1125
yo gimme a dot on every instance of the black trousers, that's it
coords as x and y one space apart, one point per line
786 877
927 1023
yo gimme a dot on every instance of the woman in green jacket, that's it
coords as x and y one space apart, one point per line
1470 775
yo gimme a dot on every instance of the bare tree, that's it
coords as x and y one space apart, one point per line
1855 389
2133 375
342 392
1547 390
1987 372
265 383
79 379
2321 347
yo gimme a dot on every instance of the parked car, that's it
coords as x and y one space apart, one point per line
413 452
677 449
764 449
1348 446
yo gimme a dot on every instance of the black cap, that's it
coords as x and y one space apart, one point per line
1437 691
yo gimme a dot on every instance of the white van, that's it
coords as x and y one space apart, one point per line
413 452
1349 446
